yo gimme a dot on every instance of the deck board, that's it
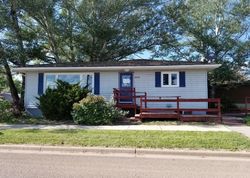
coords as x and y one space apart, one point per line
159 114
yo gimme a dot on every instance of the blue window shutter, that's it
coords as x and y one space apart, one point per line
182 76
40 83
157 79
97 83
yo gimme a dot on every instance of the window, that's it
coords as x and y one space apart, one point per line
126 81
72 79
84 79
50 81
170 79
87 81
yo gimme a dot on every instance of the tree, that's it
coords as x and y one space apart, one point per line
17 47
113 30
94 30
212 31
3 82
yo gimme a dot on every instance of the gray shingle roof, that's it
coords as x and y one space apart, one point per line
137 62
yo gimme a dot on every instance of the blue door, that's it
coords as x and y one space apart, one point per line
126 86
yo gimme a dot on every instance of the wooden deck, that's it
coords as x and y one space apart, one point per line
160 114
247 103
195 118
177 112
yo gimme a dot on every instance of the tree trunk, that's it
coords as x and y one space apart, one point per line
22 91
22 55
17 105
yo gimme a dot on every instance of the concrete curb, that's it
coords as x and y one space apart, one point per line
125 151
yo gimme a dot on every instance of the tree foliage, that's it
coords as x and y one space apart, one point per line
94 30
212 31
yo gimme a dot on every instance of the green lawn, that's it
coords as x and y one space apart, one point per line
140 139
176 123
32 120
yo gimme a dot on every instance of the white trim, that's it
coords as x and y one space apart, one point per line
69 73
169 79
116 68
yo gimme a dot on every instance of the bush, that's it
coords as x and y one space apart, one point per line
227 104
5 110
247 120
56 104
93 110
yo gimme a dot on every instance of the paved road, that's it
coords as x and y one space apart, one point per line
36 165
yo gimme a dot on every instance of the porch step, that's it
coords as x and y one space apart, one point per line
137 116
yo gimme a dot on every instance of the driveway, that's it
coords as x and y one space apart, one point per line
245 130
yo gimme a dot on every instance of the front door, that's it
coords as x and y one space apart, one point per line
126 87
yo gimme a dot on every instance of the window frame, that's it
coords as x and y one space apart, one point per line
169 79
78 73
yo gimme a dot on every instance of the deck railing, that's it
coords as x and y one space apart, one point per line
247 105
127 98
145 100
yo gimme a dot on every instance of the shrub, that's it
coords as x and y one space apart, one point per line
247 120
5 110
56 104
93 110
227 104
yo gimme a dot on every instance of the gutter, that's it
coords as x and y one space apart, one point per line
124 151
207 67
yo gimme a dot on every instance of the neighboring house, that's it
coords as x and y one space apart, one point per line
6 96
156 77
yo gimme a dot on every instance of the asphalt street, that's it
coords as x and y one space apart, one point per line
27 164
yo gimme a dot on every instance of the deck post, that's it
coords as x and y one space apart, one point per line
140 106
219 110
115 97
178 107
246 105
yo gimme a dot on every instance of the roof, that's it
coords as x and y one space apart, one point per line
138 64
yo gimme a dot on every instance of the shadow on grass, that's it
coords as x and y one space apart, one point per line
1 133
65 131
31 130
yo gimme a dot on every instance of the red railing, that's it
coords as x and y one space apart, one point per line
130 94
127 98
144 101
247 105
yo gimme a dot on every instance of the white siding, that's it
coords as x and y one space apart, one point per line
196 86
108 81
31 89
144 81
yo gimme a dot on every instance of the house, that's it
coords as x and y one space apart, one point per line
155 77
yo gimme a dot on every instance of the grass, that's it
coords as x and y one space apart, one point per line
176 123
32 120
139 139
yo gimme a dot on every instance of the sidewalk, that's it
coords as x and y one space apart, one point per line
202 128
245 130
